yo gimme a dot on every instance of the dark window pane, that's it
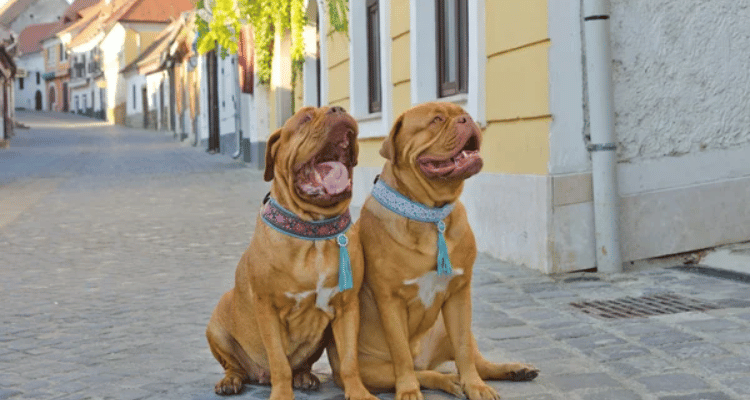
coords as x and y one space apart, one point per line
453 46
373 56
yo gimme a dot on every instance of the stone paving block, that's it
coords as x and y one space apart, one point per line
667 338
492 322
571 332
618 352
641 328
558 323
540 314
693 350
7 393
568 383
736 336
511 333
539 355
593 341
699 396
726 365
524 343
740 384
646 365
612 395
565 366
672 383
711 325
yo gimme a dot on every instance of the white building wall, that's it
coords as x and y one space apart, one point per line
682 125
33 63
111 47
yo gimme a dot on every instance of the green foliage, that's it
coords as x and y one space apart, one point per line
337 15
218 23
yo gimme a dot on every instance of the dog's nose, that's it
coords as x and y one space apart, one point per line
336 110
463 119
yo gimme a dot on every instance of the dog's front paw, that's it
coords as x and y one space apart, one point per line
480 391
409 393
306 380
278 393
362 394
231 384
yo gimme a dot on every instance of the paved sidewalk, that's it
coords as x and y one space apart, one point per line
120 242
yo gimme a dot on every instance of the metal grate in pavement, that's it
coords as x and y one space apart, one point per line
640 307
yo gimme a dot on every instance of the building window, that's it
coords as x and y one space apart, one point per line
374 97
38 78
20 83
134 101
452 47
61 51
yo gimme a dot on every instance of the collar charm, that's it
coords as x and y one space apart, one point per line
399 204
286 222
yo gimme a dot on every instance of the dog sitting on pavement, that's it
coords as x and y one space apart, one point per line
419 251
298 281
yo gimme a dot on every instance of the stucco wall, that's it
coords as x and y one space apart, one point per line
681 76
33 63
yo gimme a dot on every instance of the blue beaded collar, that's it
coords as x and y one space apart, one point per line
399 204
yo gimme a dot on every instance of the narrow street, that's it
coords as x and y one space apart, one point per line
116 244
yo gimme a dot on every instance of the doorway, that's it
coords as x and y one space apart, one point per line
38 100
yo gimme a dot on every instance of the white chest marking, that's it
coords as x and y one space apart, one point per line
323 294
430 284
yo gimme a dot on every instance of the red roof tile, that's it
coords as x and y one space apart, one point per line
29 41
156 10
72 13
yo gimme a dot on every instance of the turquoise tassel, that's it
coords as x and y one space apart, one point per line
444 266
345 265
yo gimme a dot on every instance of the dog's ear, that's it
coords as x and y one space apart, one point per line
388 151
271 149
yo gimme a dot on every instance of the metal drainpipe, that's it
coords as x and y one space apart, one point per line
603 142
237 105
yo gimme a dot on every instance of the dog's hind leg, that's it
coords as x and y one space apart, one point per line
503 372
436 349
379 376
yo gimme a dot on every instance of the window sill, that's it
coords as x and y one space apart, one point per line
460 99
369 117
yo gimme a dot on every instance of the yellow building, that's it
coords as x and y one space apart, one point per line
490 57
519 68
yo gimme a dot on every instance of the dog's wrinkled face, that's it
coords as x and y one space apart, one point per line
312 156
440 141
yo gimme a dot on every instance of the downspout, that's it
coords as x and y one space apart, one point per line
237 104
603 144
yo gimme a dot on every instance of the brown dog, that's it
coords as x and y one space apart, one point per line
414 317
274 324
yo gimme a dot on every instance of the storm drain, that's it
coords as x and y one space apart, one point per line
640 307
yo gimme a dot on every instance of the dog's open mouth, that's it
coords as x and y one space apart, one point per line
463 163
326 176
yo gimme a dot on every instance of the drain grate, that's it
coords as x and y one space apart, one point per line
640 307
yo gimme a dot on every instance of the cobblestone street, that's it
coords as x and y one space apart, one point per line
116 244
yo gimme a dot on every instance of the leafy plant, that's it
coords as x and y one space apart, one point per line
218 23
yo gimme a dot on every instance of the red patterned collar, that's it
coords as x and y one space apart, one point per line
285 221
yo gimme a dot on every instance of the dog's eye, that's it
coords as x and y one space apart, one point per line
307 118
438 119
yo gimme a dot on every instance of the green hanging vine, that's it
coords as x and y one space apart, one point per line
218 22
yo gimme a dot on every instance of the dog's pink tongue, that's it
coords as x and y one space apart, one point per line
334 176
